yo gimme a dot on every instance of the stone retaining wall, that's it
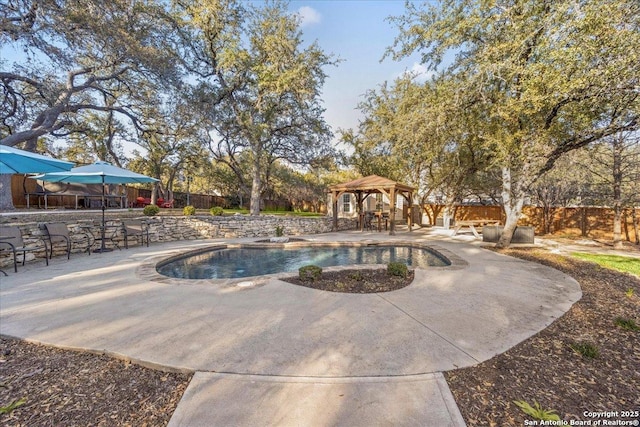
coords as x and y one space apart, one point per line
169 228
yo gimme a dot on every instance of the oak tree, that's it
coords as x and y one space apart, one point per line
257 85
550 76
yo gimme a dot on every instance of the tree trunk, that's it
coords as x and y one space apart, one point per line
617 227
256 186
512 200
6 197
625 225
513 215
617 193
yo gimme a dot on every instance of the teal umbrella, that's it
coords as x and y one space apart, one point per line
97 173
13 160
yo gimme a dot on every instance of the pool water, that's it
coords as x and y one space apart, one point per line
247 262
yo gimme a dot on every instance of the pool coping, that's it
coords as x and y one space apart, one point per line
147 270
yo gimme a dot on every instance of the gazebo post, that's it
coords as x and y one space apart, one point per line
334 199
360 213
410 212
392 214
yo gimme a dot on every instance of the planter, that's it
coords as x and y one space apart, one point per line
491 234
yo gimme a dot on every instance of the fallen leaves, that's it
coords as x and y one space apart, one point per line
544 368
70 388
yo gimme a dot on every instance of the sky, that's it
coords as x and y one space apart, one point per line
356 32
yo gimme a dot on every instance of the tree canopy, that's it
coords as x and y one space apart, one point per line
546 77
77 57
168 76
258 87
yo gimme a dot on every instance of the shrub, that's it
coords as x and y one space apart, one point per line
585 349
536 411
628 324
151 210
189 210
216 211
356 275
13 405
397 269
309 273
279 231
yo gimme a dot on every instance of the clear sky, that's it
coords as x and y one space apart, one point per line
357 32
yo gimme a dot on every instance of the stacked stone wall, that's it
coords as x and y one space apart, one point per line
171 228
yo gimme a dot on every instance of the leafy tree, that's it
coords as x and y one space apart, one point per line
101 138
306 190
549 77
169 143
414 133
615 167
562 186
74 58
77 57
257 88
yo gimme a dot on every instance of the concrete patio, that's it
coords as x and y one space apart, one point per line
278 354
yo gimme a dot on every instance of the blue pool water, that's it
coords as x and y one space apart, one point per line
246 262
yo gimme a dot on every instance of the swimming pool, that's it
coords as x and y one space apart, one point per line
249 261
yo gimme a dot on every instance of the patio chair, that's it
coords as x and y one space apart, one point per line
166 204
57 232
12 242
141 202
368 217
135 228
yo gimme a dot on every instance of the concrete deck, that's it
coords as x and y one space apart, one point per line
279 354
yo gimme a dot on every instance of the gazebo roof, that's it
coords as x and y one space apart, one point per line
370 183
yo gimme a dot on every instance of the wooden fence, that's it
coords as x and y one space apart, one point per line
21 186
594 222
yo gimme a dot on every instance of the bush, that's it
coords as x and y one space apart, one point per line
585 349
628 324
216 211
189 210
536 411
309 273
397 269
279 231
151 210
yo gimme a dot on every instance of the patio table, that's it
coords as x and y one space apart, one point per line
88 231
472 224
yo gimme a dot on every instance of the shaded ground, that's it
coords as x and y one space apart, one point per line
547 369
68 388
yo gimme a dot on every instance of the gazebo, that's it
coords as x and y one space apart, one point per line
372 184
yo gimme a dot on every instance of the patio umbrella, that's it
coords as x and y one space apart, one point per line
97 173
13 160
